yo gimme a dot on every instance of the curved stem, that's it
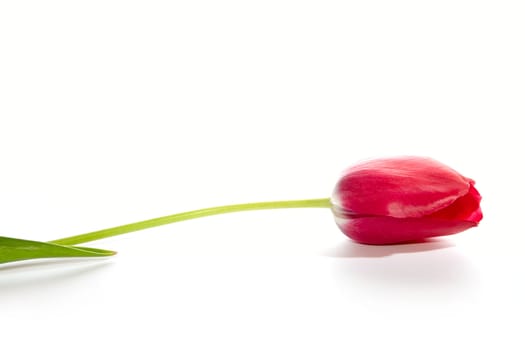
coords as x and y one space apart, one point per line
164 220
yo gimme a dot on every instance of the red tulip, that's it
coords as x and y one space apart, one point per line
397 200
381 201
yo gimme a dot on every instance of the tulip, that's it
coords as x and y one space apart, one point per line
407 199
382 201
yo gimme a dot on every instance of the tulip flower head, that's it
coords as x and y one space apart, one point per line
407 199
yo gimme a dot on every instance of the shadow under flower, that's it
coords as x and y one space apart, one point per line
350 249
430 271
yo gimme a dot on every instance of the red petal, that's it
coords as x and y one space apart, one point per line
389 230
464 208
399 187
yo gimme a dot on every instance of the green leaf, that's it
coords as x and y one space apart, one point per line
14 249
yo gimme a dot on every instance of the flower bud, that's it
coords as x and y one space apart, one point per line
405 199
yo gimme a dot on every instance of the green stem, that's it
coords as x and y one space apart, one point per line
164 220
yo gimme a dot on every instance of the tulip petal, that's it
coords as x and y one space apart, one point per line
405 187
464 208
389 230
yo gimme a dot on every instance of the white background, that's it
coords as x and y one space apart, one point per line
118 111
